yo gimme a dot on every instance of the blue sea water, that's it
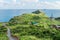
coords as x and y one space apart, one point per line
7 14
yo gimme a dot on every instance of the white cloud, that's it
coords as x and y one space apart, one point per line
13 1
30 0
29 4
1 0
43 5
50 5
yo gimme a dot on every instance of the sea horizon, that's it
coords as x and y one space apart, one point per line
7 14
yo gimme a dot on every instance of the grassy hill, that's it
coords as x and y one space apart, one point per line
58 20
33 26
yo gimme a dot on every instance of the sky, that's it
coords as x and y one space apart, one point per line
29 4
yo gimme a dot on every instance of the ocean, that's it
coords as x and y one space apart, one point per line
7 14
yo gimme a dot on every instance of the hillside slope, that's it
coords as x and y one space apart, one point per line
33 26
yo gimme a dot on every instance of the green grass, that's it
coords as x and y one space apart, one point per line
3 37
34 38
57 22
